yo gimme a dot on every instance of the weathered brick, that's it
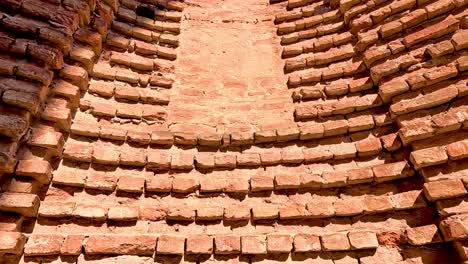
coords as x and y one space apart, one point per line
363 239
391 171
265 211
90 212
306 243
422 235
335 242
72 245
444 189
21 203
122 213
428 157
279 243
253 245
227 244
209 213
12 242
56 208
458 150
43 245
199 244
120 244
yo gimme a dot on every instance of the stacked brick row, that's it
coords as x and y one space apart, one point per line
51 47
41 84
396 67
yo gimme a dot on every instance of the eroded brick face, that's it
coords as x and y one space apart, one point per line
261 131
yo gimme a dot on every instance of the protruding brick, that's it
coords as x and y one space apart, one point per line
170 245
279 243
120 244
43 245
335 242
72 245
253 245
363 239
227 244
306 243
444 189
422 235
199 244
11 242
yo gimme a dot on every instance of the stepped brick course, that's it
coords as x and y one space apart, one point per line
262 131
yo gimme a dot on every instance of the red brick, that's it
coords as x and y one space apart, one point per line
225 160
181 214
293 211
227 244
438 8
72 245
444 189
368 147
458 150
334 178
131 184
158 159
170 245
265 211
209 183
199 244
253 245
237 185
142 138
423 235
37 169
248 159
377 204
306 243
363 239
90 212
162 138
241 212
184 184
279 243
122 213
410 199
21 203
358 176
152 212
106 154
133 156
182 161
335 242
454 227
261 183
428 157
321 208
120 244
43 245
56 209
11 242
209 213
391 171
349 207
101 181
284 180
78 151
293 155
392 88
270 157
446 26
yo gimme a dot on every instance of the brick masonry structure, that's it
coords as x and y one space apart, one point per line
202 131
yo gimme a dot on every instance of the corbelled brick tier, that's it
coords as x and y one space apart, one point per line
200 131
